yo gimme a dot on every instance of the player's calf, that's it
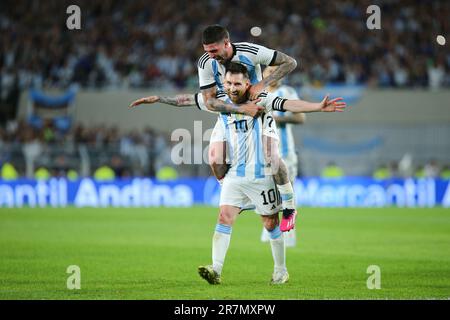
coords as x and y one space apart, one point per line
278 249
280 172
270 222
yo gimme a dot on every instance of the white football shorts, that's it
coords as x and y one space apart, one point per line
242 191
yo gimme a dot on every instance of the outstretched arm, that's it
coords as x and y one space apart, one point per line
285 64
296 118
326 105
181 100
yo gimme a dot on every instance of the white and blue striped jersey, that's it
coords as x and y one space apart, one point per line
244 136
287 144
212 73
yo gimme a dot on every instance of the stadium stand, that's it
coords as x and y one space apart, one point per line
130 45
137 44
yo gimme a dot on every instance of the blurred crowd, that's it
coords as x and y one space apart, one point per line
157 43
81 151
106 153
395 169
398 169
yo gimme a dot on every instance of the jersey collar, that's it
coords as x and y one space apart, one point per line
229 60
234 50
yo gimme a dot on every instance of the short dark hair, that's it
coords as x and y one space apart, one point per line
214 33
236 68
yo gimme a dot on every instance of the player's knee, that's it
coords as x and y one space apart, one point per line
225 217
271 223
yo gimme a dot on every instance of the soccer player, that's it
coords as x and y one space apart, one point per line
211 69
285 121
250 177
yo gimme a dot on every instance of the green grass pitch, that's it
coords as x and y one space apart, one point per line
154 253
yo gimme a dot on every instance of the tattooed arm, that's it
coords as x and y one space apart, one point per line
181 100
285 65
213 104
217 105
326 105
277 165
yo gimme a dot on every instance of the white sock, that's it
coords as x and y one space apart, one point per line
278 249
287 195
265 235
221 241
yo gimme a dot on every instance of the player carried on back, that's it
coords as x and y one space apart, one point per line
253 152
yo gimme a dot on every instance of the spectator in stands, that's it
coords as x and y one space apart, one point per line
8 172
104 173
431 169
394 169
129 43
167 173
333 171
420 172
382 172
436 74
42 173
101 141
445 173
118 166
61 168
72 175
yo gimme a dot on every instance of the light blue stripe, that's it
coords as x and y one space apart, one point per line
226 231
240 170
275 233
227 131
223 231
287 196
216 75
227 134
284 142
250 68
259 173
222 228
283 130
242 151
